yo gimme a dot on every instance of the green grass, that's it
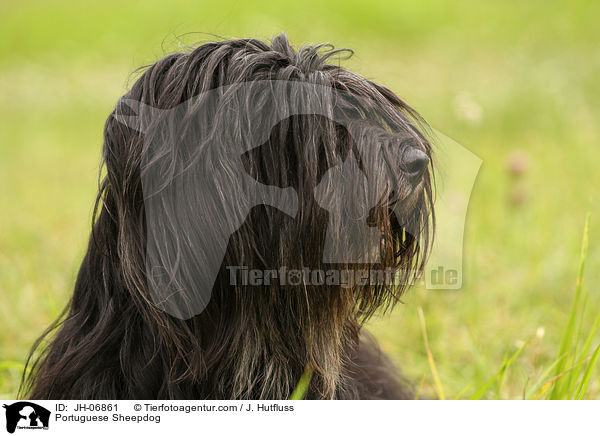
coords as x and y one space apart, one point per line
495 76
567 378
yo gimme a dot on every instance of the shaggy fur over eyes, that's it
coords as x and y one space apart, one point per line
116 341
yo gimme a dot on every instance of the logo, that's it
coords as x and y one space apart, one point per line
26 415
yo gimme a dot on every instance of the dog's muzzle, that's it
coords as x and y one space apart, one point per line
414 163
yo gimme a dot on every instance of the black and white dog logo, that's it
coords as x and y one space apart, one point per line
26 415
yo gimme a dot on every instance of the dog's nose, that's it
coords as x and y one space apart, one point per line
414 162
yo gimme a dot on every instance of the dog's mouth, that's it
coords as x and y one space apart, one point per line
405 203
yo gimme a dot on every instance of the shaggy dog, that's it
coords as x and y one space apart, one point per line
255 203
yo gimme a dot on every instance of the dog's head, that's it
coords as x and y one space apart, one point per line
257 204
255 166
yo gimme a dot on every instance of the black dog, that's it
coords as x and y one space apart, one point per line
259 205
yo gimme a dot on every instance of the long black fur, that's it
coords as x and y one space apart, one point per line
113 342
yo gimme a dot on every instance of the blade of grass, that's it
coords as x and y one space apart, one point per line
542 379
501 377
571 379
553 380
591 335
585 353
438 385
477 395
525 388
569 333
300 391
463 390
583 386
418 393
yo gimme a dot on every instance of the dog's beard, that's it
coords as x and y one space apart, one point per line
286 326
357 212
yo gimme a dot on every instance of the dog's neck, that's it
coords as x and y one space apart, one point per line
260 346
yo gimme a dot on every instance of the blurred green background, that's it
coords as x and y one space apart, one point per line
516 82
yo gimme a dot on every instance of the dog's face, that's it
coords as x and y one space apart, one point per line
372 183
324 173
